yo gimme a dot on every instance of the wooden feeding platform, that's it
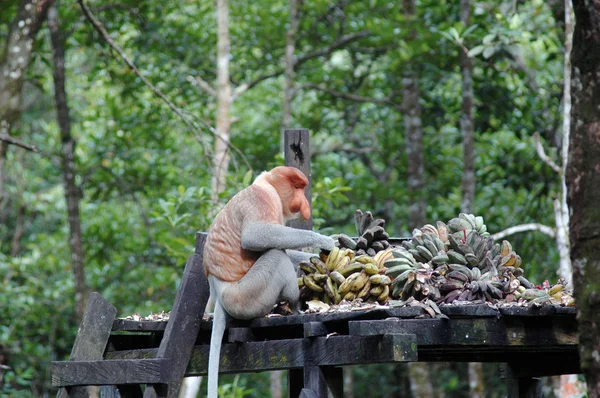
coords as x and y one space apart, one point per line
123 355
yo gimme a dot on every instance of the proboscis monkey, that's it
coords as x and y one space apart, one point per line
249 253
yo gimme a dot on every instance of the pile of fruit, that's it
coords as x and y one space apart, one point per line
341 275
450 262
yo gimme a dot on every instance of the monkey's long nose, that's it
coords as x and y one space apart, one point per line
305 212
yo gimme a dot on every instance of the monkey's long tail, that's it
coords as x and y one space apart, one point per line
218 329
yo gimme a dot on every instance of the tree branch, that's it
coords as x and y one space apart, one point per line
190 124
348 96
338 44
299 61
542 154
524 228
10 140
203 84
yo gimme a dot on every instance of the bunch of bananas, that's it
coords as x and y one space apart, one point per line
372 237
468 284
412 278
468 222
342 275
426 245
546 294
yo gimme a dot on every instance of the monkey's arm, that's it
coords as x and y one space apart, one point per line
296 256
259 236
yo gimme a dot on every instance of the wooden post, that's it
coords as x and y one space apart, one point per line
317 379
520 386
184 323
297 154
92 337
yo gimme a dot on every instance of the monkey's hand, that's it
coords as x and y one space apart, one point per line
259 236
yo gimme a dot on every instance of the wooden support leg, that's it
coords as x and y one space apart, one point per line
521 386
320 379
92 337
184 323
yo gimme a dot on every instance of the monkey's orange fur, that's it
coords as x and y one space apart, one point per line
274 197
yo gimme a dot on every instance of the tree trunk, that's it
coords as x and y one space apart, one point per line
276 386
190 387
466 119
348 382
561 208
421 384
221 155
72 194
13 65
290 60
476 382
583 182
413 130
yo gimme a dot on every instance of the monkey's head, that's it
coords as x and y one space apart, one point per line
290 183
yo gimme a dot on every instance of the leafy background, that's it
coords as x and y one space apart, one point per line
145 177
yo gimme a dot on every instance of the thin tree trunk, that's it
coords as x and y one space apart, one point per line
413 132
290 74
583 183
348 382
190 387
421 384
72 194
15 246
561 208
466 119
467 127
13 65
276 386
222 155
420 378
476 382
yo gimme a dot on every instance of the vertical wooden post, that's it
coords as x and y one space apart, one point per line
182 329
316 380
297 154
519 386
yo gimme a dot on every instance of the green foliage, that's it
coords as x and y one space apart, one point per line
145 177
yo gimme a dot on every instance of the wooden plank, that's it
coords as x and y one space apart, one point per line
297 154
546 310
315 329
451 311
184 323
240 335
109 372
295 353
92 337
476 331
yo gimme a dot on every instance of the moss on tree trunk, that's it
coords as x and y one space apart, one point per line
583 180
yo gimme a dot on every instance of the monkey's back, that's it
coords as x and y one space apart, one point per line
224 256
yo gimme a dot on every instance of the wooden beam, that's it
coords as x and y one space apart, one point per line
295 353
109 372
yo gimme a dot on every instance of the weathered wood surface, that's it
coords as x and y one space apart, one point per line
539 341
295 353
109 372
183 326
297 154
465 311
92 337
